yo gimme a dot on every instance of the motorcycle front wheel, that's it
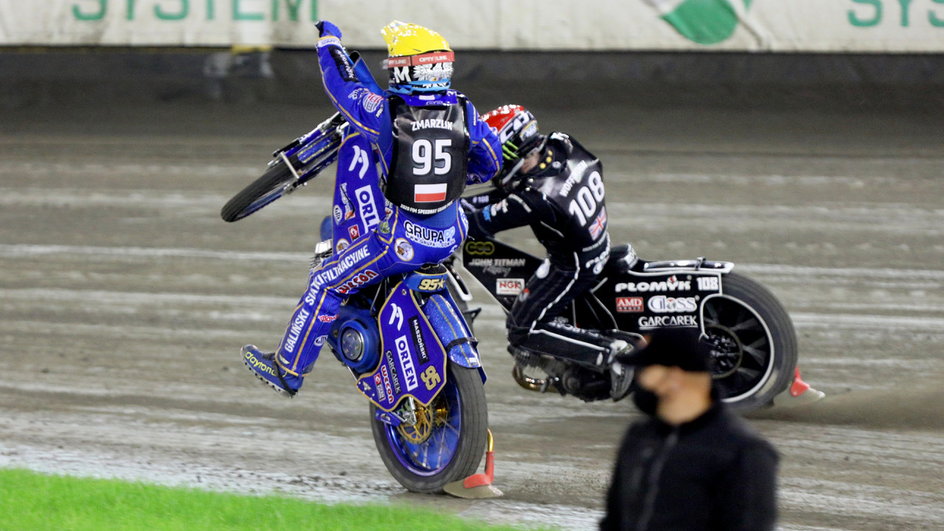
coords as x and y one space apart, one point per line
448 441
259 193
754 345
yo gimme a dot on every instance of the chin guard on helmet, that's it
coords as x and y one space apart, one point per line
518 133
420 60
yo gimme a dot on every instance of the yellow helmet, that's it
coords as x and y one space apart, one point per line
420 60
404 38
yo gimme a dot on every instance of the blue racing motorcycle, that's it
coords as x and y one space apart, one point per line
406 343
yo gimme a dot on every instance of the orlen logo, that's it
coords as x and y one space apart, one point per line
669 284
365 203
629 304
509 286
663 304
406 363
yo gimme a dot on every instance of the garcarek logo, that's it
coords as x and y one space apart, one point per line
704 21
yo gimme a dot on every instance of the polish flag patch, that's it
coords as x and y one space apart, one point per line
429 193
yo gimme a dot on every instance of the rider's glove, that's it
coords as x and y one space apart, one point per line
467 207
327 29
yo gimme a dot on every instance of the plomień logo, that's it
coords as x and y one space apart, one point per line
670 284
703 21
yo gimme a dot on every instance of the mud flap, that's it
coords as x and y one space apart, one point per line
446 319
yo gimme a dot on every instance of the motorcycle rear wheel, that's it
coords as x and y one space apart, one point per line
455 444
755 345
259 193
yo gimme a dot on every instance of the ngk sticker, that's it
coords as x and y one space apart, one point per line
509 286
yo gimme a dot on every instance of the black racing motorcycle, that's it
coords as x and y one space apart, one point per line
754 345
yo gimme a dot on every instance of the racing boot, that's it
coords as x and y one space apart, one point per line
621 376
264 366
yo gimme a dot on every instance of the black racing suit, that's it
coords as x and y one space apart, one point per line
563 201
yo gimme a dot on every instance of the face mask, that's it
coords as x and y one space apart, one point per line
646 401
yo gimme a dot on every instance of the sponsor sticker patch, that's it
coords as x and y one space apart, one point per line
372 103
404 249
378 384
386 383
663 304
366 206
430 237
419 344
509 286
670 284
662 321
357 281
629 304
406 363
479 248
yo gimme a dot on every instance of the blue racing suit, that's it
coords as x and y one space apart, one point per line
409 234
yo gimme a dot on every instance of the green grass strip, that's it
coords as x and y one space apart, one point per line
32 501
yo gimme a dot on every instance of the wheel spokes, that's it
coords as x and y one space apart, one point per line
742 345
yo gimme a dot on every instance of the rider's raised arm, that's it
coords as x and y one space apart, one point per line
366 110
484 158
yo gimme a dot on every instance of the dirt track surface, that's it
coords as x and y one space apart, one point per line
125 300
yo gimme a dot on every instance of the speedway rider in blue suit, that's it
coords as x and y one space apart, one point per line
429 143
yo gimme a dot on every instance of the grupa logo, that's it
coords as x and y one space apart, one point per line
706 21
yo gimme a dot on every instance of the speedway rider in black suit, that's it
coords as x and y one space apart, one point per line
555 185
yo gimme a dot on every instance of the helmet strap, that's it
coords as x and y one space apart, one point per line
512 172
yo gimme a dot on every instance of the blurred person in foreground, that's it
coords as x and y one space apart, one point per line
691 463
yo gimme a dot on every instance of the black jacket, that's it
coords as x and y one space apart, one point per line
711 473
